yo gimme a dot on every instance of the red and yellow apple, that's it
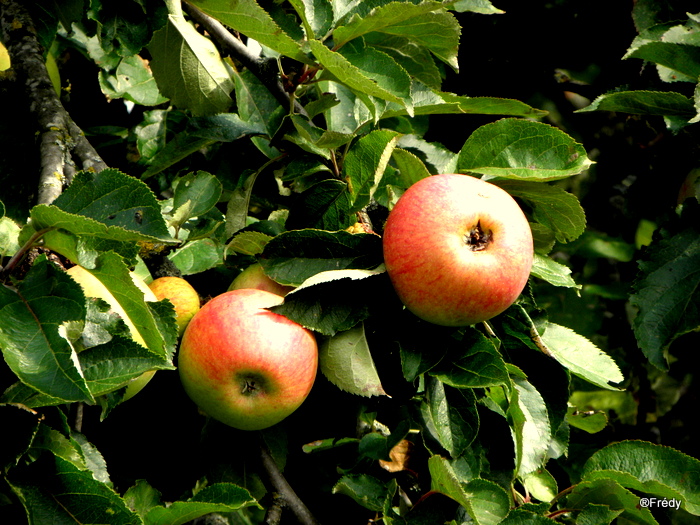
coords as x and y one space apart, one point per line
458 250
254 277
184 297
244 365
93 287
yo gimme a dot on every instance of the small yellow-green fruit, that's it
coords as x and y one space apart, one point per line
254 277
4 58
93 287
178 291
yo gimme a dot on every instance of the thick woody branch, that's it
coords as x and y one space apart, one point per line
60 138
284 489
264 69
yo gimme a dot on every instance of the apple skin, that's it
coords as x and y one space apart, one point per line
93 287
184 297
458 250
254 277
244 365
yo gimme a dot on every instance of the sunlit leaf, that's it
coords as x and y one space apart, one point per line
189 70
522 149
656 469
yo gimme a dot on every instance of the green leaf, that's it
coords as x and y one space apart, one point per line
553 207
428 101
316 15
365 163
9 236
255 22
249 243
522 149
294 256
219 497
649 468
436 157
224 127
201 133
73 496
195 194
346 362
450 416
415 59
150 134
680 57
332 301
486 502
664 103
258 108
541 484
621 403
369 82
484 7
189 70
530 426
108 204
366 490
198 256
522 516
382 19
581 356
437 31
592 421
32 337
475 362
593 514
667 294
133 81
113 273
553 272
609 493
112 365
326 205
142 497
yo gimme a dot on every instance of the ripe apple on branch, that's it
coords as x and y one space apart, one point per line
457 249
244 365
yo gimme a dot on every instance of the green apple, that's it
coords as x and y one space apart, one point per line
184 297
244 365
93 287
254 277
458 250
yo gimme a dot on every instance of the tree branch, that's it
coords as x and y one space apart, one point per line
283 488
263 69
60 137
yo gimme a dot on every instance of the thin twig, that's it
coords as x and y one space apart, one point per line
283 488
262 68
60 137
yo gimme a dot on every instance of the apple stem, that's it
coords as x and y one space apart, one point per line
283 488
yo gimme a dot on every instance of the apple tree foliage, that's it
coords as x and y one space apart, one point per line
283 133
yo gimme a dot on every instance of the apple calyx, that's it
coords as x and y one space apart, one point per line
478 238
250 386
